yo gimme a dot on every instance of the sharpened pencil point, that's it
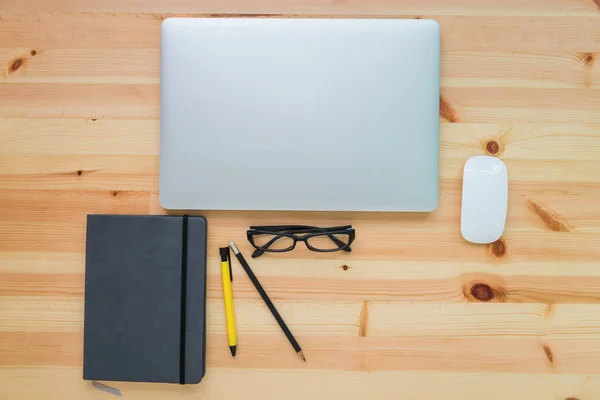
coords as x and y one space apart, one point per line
232 348
301 354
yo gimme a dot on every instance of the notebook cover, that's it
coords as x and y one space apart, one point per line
137 269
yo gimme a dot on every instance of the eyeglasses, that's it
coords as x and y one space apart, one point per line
279 239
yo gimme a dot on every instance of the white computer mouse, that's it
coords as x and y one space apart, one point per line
484 199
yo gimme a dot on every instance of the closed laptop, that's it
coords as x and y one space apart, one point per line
299 114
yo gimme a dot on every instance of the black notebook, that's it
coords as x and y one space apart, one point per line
145 298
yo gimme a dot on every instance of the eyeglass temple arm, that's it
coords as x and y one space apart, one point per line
277 228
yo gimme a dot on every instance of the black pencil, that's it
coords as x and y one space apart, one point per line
267 300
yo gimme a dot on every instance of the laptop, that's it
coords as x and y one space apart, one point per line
299 114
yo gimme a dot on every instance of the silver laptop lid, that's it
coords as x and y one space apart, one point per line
299 114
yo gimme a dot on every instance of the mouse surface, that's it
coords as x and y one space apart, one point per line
484 199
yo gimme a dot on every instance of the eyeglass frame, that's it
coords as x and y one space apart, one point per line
309 232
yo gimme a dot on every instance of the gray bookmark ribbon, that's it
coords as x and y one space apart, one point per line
106 388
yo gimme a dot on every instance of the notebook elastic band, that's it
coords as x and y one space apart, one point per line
182 331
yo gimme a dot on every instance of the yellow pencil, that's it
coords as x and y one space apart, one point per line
227 277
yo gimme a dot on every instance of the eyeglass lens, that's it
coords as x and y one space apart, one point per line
273 242
331 241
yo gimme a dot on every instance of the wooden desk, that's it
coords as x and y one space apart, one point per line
414 312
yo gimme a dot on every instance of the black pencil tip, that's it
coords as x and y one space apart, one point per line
232 348
301 354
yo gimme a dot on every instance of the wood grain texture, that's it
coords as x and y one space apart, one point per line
459 68
414 311
316 384
322 7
